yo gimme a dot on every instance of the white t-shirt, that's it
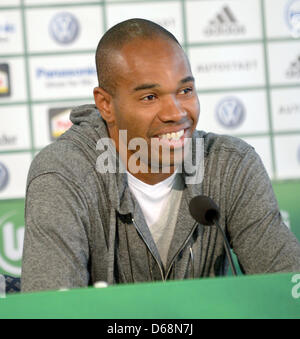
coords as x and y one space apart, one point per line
151 198
160 204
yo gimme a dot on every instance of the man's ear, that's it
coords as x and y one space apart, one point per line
103 101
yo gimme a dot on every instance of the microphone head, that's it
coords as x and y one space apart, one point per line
204 210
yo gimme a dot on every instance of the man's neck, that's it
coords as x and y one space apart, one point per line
152 178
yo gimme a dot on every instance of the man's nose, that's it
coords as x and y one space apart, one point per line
171 110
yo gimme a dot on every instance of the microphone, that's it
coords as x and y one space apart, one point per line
205 211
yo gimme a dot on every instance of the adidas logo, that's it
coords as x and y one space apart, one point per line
294 69
224 23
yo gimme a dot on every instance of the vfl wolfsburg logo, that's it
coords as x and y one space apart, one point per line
11 243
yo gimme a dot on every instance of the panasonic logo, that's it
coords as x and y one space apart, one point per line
65 73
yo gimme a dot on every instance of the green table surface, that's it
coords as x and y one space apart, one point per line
255 296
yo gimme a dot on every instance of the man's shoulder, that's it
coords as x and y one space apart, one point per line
62 157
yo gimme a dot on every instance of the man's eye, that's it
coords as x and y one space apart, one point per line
149 97
186 90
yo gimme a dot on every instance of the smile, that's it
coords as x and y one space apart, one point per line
172 136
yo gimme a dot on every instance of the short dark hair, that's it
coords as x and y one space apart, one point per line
115 38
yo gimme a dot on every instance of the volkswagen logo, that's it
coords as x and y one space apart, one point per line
230 112
292 14
64 28
4 176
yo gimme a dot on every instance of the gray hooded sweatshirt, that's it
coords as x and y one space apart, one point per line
83 226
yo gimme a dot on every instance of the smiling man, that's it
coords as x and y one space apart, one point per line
133 224
149 92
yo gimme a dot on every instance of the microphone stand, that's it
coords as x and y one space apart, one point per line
227 248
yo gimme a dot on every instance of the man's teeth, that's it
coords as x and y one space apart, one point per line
173 135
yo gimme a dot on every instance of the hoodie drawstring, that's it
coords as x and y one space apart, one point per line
111 248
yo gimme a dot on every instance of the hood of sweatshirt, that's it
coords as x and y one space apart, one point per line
90 132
